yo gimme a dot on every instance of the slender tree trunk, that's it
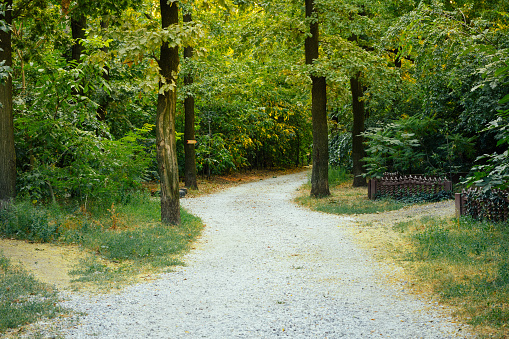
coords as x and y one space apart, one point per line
359 114
320 171
104 102
78 26
7 151
165 124
189 132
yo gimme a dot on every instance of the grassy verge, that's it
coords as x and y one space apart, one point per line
126 240
23 299
465 263
344 198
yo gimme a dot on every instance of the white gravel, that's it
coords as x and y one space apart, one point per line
264 268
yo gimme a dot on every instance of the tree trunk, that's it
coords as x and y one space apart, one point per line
7 151
189 132
320 171
165 124
358 127
104 102
78 26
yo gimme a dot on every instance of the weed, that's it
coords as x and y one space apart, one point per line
24 220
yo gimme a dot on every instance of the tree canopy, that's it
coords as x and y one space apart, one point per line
425 78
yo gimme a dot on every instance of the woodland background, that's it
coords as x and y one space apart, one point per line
428 78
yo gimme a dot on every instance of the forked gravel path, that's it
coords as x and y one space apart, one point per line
264 268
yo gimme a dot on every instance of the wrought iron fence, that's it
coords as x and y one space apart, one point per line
394 184
480 204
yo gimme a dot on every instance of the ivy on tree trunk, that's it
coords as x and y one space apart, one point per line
7 150
320 171
165 122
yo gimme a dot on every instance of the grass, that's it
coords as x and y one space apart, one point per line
23 299
464 262
126 240
344 198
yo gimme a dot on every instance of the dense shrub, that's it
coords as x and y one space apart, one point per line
26 221
416 145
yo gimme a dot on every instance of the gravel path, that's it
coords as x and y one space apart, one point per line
264 268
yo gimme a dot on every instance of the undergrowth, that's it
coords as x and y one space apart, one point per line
466 263
126 239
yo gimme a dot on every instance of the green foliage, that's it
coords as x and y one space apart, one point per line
392 147
340 150
490 204
75 162
415 145
493 172
338 175
214 157
23 299
24 220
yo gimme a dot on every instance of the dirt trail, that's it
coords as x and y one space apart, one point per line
51 263
47 262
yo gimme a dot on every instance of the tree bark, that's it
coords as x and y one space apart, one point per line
189 132
105 101
359 115
7 150
320 170
165 123
78 26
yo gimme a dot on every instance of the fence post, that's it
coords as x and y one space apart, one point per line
448 185
371 189
459 204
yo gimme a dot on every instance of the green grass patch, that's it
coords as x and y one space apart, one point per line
23 300
127 240
344 198
466 263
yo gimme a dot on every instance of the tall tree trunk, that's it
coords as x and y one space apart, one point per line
104 102
359 115
78 26
320 171
7 151
165 123
189 132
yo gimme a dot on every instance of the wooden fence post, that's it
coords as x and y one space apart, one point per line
459 204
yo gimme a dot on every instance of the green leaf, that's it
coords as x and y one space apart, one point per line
504 99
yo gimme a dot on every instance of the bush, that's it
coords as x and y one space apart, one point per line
416 145
100 169
26 221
